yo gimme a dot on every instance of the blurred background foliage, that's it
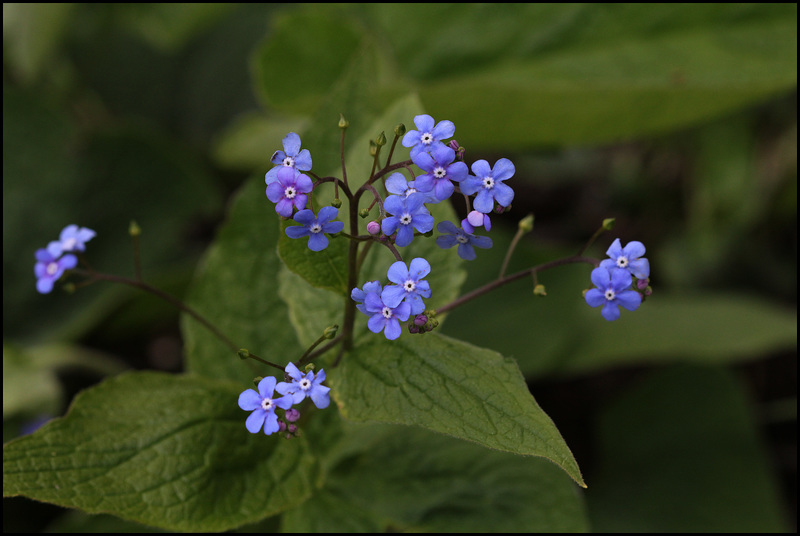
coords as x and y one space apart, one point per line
680 121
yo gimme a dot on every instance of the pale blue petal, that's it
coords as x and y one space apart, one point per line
610 311
595 297
291 144
255 421
327 214
376 323
392 330
392 295
303 160
297 231
398 272
317 241
320 397
466 252
503 169
503 194
484 202
419 268
629 299
481 169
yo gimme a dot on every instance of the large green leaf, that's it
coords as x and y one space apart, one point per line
679 452
415 480
162 450
449 387
236 289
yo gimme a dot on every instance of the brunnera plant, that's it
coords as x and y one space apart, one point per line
368 269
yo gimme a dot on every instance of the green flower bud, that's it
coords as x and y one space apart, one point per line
608 223
330 331
244 353
400 130
373 148
69 288
539 290
343 123
134 229
364 212
336 203
526 223
381 140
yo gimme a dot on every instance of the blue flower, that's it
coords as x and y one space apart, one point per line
384 317
476 219
305 385
291 157
358 295
613 290
397 184
440 169
263 406
429 136
488 183
289 190
409 286
628 258
315 227
466 242
49 267
72 238
408 214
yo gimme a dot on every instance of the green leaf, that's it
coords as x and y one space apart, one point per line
414 480
236 289
162 450
450 387
326 269
589 73
305 55
679 452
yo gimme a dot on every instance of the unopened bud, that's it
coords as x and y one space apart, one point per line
330 331
381 140
373 148
526 224
373 228
243 353
539 290
343 123
292 415
69 288
413 328
400 129
608 223
336 203
134 229
420 320
281 426
641 284
292 429
257 380
364 212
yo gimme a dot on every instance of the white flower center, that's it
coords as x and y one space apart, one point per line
305 384
289 192
266 404
52 268
69 244
461 239
410 285
610 294
439 172
405 219
386 312
488 183
288 161
315 228
622 261
426 138
410 191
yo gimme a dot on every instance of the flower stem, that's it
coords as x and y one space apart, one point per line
500 281
141 285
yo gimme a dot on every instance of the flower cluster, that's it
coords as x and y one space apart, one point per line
388 306
614 279
290 189
295 389
56 258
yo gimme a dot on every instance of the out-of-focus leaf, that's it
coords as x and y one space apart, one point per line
30 383
680 453
162 450
248 143
170 26
449 387
32 33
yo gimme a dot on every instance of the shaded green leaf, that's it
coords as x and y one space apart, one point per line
161 450
680 453
236 289
326 269
450 387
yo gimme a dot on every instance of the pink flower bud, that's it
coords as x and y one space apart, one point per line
373 228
